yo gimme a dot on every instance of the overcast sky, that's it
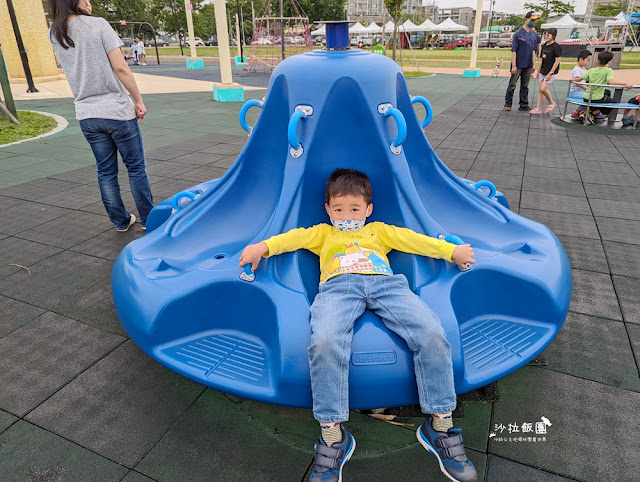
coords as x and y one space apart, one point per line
508 6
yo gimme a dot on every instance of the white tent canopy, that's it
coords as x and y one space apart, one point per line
409 26
373 28
357 28
427 26
620 21
321 31
564 22
450 26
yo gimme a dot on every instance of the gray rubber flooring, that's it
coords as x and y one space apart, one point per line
79 400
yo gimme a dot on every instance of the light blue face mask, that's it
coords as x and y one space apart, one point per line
348 225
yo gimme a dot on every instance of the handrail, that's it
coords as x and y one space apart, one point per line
243 113
615 86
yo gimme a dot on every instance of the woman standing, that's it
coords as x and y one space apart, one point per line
550 55
88 50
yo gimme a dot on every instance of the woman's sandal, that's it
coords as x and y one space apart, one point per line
550 108
535 111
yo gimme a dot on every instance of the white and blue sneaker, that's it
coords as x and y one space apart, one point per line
329 461
448 449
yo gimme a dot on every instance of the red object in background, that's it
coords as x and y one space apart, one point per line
464 42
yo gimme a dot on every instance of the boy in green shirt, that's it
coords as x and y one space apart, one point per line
602 75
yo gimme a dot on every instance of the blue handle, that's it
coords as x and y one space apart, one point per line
181 194
427 107
453 239
247 274
402 126
292 132
243 113
489 184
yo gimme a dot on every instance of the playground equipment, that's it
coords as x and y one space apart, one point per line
276 38
178 290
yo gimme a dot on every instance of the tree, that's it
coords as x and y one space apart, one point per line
548 7
170 14
394 7
611 9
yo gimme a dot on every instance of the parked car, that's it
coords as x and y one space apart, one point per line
160 43
212 41
446 39
128 41
464 41
196 40
505 40
485 41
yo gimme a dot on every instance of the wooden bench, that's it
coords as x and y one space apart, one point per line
596 105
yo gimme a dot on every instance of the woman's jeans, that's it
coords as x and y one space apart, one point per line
107 137
338 304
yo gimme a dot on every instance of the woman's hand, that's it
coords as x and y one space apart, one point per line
252 254
547 78
534 74
141 111
463 255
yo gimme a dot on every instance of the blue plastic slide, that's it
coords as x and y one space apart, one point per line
178 290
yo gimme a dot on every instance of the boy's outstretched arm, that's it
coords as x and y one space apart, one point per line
462 255
252 254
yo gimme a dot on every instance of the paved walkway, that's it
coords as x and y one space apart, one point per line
79 401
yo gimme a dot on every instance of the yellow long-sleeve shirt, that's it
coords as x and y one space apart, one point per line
364 251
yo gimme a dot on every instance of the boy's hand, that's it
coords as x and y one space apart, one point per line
462 255
629 87
252 254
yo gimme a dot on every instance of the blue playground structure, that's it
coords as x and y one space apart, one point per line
178 290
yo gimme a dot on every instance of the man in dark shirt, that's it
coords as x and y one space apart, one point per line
523 54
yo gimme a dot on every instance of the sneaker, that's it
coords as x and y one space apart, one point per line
507 108
525 107
328 461
601 116
132 220
581 116
626 121
591 119
575 114
448 449
144 228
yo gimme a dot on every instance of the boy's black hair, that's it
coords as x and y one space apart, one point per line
348 181
584 54
605 57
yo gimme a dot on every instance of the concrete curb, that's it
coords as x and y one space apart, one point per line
62 124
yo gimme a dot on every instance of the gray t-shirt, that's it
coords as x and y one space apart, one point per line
97 90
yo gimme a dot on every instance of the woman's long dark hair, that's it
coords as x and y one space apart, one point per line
59 11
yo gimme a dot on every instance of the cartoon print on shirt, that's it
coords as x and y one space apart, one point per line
355 262
352 258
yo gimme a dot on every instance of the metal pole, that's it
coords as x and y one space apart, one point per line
23 51
282 27
238 16
476 36
192 43
223 41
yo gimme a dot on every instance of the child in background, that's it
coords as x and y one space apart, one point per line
142 54
576 91
627 121
600 75
134 49
355 275
551 54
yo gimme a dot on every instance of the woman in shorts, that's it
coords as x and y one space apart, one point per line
550 57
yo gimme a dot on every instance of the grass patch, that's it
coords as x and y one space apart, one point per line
31 125
416 74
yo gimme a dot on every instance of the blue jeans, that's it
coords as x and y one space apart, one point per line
338 304
107 137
